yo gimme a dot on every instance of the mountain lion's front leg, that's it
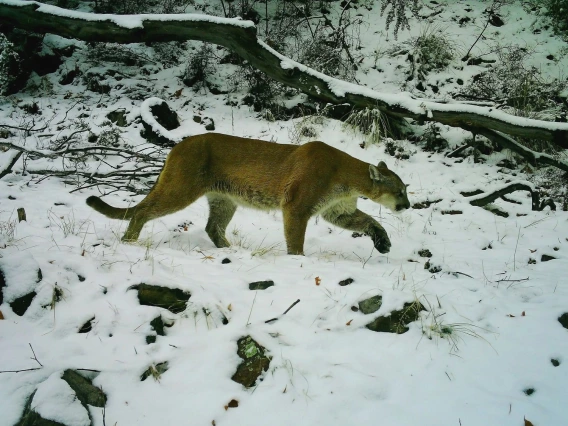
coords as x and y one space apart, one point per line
356 220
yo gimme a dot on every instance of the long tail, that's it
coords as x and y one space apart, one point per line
108 210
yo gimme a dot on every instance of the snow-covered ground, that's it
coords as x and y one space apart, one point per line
489 350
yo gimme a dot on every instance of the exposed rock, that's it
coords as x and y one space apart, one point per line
345 282
424 253
432 268
261 285
529 391
225 261
86 392
546 258
94 83
157 325
46 64
69 77
563 319
370 305
118 117
496 20
172 299
255 362
155 371
555 362
21 304
209 123
88 326
166 118
233 403
397 321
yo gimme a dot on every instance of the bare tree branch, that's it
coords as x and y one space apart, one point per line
483 199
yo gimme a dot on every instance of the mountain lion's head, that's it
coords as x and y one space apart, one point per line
389 190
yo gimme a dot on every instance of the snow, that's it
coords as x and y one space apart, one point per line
498 298
55 400
20 268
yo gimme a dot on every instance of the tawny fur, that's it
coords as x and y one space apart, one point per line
302 181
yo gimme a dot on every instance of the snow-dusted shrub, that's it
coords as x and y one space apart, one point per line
369 122
519 88
261 89
327 55
169 53
199 66
432 50
555 10
9 65
119 53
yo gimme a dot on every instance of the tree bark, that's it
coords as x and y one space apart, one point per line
241 37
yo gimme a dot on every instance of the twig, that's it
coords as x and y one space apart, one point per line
457 151
515 253
285 312
35 357
8 168
19 371
466 57
252 306
506 280
461 273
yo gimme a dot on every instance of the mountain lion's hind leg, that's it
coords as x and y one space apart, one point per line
347 216
221 211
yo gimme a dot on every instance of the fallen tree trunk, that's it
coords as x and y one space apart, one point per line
241 37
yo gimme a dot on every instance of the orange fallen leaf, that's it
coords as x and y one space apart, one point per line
523 314
318 280
527 422
177 93
233 403
1 315
230 307
349 322
532 251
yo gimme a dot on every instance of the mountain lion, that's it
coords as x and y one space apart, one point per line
301 180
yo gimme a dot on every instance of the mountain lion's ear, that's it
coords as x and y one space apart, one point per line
375 173
382 165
